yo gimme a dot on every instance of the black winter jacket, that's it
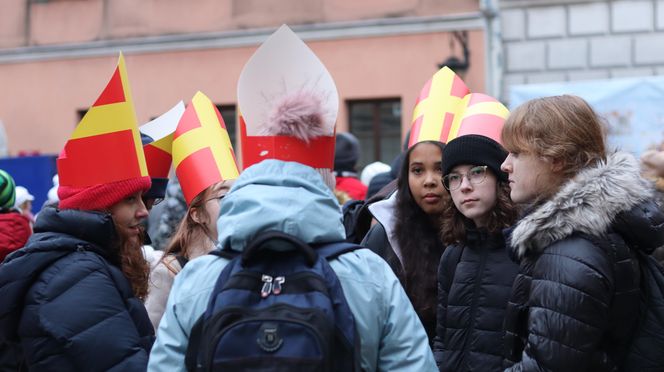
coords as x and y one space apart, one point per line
472 298
65 301
574 302
376 240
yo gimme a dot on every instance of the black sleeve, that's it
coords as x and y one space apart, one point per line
446 270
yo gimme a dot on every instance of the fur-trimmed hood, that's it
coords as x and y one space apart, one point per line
610 194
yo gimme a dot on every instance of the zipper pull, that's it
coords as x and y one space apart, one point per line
267 286
278 281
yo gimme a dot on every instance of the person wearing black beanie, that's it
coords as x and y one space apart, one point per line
475 274
346 155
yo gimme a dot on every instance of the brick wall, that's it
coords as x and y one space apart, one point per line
569 40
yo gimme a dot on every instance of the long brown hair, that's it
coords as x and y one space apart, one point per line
133 264
189 229
502 215
561 128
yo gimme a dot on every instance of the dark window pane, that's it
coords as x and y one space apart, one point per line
228 113
390 119
377 125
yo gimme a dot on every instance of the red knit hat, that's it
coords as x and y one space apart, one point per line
103 161
102 196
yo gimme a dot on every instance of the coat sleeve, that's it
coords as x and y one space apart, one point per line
404 344
571 292
444 282
161 281
186 303
79 321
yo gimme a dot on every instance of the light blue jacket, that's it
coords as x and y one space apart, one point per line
290 197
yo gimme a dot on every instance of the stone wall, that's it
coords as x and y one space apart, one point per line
570 40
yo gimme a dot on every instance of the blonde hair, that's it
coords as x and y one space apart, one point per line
561 128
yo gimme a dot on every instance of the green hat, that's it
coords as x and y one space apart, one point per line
7 190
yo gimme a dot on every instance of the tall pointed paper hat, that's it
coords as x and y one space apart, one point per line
202 151
157 138
103 161
288 105
446 109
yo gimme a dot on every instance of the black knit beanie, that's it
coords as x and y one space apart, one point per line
474 149
346 152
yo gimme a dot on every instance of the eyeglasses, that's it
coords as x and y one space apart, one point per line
475 175
151 202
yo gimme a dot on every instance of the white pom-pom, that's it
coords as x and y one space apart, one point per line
297 115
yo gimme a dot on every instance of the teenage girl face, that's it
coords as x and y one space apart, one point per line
128 214
425 178
530 176
476 199
212 206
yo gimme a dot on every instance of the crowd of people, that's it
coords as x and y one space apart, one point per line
495 241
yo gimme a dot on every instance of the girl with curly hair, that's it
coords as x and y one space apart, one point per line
475 275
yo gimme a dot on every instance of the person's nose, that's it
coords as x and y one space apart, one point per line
465 183
506 166
142 211
431 179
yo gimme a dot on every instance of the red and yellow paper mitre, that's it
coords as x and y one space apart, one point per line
202 150
105 146
288 104
157 138
446 109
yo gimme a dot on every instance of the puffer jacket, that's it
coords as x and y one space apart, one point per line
382 240
292 198
65 301
472 298
14 232
574 301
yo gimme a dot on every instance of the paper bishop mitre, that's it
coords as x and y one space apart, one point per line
446 109
288 104
202 151
157 138
104 150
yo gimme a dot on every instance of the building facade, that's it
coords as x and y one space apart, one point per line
56 56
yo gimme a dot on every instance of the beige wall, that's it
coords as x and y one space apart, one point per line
24 23
39 99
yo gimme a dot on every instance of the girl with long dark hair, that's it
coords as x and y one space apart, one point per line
407 234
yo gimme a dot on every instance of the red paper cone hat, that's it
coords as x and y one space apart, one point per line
103 161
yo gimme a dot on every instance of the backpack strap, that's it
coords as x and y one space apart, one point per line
182 260
195 336
273 238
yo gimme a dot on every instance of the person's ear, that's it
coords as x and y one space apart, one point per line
195 215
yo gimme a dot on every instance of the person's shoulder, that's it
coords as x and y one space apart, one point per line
586 253
198 276
361 265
